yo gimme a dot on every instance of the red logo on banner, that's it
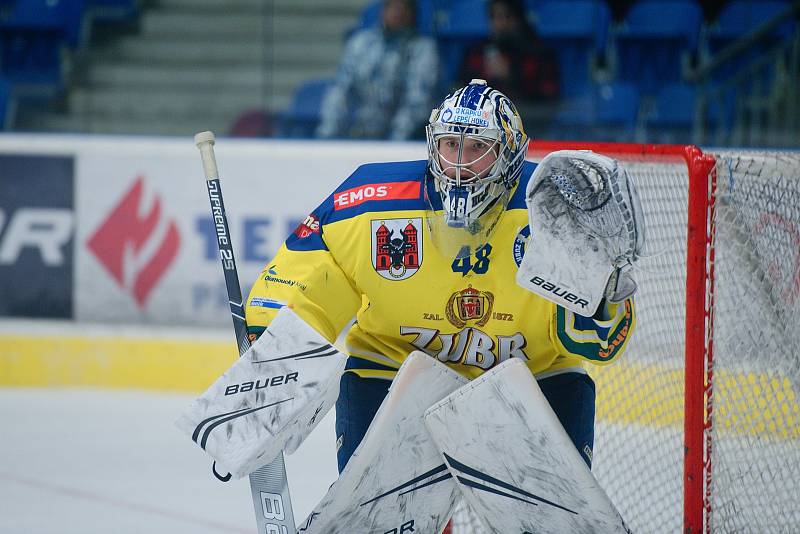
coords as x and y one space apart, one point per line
385 191
126 233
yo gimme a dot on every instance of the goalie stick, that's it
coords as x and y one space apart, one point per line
268 485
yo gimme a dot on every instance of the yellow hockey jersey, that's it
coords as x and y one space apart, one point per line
365 252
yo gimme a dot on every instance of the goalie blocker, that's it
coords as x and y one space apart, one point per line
587 230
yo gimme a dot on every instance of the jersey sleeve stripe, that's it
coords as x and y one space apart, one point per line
266 303
590 345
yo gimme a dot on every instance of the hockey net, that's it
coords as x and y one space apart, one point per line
731 220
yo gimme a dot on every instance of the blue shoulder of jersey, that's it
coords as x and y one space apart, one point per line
518 199
373 187
376 187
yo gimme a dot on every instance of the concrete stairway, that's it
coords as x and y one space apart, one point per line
198 64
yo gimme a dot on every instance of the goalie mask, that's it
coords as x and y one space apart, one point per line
476 148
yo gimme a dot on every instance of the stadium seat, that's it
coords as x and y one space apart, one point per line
466 19
740 17
112 10
532 12
672 117
32 35
578 32
673 114
655 40
735 21
674 105
371 16
301 118
459 23
64 16
617 105
5 103
607 112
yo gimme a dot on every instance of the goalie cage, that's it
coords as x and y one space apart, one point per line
698 426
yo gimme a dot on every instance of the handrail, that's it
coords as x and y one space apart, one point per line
703 72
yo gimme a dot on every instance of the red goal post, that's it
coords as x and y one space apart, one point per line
699 281
718 335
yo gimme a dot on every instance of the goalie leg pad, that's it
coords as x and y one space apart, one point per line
396 480
520 472
269 400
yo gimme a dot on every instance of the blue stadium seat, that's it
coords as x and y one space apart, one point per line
607 112
532 11
654 41
301 118
5 103
735 21
740 17
112 10
459 23
675 108
32 35
371 16
577 31
465 19
426 12
673 114
64 16
617 105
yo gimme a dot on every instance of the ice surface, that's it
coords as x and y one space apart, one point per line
99 461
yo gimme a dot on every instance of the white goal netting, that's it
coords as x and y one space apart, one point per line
755 432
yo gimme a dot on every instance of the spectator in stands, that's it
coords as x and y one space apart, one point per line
385 87
515 61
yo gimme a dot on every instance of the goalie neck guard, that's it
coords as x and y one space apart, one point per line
476 148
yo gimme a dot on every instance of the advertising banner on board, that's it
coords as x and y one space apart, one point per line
145 243
37 223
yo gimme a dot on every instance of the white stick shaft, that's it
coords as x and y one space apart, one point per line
268 485
205 142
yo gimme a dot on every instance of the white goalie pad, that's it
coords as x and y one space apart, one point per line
269 400
514 462
585 223
396 480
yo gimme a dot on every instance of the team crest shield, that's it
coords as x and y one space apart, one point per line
396 247
469 305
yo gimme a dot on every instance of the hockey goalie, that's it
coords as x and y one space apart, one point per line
481 284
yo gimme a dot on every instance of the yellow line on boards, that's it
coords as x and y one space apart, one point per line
745 403
158 364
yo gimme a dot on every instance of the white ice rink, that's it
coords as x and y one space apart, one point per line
108 461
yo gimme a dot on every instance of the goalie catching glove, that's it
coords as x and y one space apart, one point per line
587 230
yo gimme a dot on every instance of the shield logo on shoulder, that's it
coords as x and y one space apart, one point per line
396 247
